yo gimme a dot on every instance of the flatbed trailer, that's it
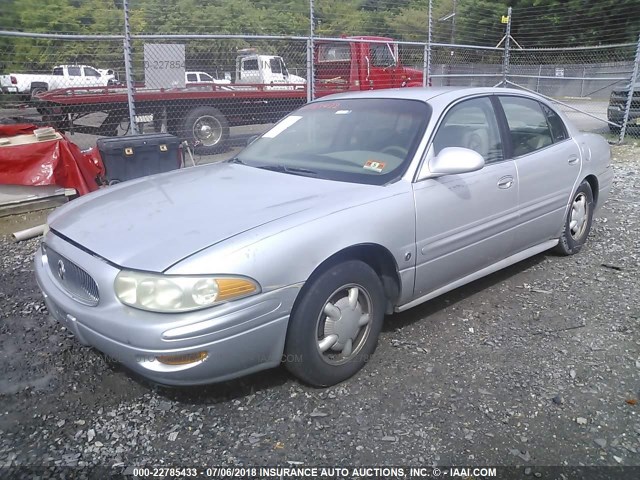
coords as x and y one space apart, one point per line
201 114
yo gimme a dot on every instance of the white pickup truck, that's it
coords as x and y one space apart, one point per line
63 76
198 78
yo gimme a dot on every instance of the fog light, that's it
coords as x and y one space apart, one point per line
183 358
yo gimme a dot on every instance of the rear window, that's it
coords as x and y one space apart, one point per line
251 64
332 52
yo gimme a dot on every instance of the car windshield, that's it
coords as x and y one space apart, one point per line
353 140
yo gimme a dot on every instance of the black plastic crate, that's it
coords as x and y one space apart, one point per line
135 156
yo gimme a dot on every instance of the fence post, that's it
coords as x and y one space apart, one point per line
632 82
507 46
310 70
133 128
427 49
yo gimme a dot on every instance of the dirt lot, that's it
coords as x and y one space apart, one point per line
536 365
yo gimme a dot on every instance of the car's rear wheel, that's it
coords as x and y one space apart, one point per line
578 221
335 325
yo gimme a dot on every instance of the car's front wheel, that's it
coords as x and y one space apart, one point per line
335 325
577 224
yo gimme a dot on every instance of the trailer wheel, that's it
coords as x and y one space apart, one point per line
206 129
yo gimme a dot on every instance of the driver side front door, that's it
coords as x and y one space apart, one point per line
465 222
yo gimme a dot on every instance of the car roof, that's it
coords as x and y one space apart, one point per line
430 94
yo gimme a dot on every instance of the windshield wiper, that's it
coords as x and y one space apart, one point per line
235 160
290 170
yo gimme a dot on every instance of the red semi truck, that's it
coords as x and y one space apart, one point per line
203 114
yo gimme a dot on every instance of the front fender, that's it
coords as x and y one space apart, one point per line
289 252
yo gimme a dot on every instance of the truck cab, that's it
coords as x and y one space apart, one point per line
270 70
366 64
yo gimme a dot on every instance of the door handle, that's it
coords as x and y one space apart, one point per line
572 160
505 182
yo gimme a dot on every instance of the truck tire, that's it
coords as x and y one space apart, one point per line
206 129
37 88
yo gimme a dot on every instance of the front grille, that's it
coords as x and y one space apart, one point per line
71 278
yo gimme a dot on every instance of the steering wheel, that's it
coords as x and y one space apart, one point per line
395 150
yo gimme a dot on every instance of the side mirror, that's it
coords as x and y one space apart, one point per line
452 161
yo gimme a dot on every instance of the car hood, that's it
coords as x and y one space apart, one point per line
154 222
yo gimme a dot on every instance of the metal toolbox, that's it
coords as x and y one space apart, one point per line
136 156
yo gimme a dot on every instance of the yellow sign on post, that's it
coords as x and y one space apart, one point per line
505 19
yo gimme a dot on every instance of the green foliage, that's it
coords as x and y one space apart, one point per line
536 23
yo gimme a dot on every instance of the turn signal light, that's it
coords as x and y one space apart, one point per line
183 358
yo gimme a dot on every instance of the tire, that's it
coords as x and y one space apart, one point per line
354 288
37 91
206 129
614 129
573 235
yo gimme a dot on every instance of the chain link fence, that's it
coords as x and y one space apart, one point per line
203 81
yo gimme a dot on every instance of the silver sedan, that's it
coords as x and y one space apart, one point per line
352 207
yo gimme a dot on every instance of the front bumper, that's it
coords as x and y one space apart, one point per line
239 337
615 113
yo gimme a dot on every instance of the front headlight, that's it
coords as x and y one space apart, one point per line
169 293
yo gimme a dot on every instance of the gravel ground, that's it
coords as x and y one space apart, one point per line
536 365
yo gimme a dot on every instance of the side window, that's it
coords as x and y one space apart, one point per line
58 71
276 65
558 128
90 72
527 124
471 124
206 78
192 77
73 71
381 55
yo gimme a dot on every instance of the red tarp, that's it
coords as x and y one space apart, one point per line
48 162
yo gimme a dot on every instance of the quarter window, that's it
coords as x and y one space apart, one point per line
527 125
558 129
471 124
